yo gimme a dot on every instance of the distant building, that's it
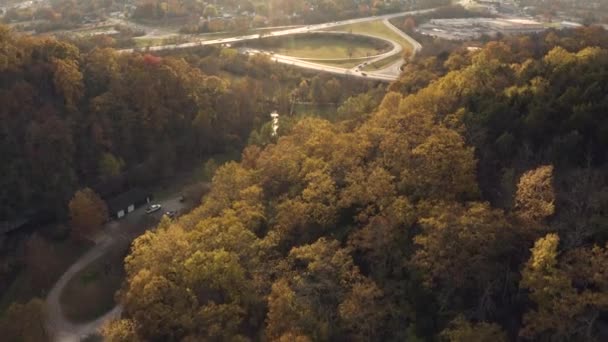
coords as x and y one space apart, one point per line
275 122
513 26
127 202
473 28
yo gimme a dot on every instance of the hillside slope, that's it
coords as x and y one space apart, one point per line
469 206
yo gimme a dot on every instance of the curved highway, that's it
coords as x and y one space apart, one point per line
389 73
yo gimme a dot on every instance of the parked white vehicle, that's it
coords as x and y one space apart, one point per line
153 208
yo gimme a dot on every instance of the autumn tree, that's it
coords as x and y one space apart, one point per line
388 224
121 330
68 81
211 291
580 198
25 322
442 167
535 196
461 249
461 330
162 308
569 291
88 212
323 296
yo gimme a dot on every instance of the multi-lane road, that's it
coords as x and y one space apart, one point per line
314 64
390 73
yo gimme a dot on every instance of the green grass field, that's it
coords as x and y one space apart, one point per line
377 28
326 47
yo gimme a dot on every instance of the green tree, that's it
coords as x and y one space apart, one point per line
110 166
210 11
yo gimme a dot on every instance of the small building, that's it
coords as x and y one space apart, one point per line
275 123
9 226
127 202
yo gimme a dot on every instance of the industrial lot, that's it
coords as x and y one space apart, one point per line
474 28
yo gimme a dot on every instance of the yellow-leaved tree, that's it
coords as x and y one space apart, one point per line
569 290
88 212
535 198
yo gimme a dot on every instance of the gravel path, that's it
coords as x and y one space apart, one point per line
62 329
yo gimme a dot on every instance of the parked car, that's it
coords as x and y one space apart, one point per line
171 214
153 208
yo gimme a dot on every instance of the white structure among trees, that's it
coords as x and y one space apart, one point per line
275 122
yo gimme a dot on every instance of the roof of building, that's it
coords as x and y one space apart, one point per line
9 226
125 199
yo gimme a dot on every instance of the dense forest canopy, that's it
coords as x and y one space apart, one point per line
470 205
468 202
73 117
70 118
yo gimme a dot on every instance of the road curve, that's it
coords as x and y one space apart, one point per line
60 328
415 45
286 32
325 68
395 68
388 74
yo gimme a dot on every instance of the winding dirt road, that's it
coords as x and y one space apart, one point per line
60 328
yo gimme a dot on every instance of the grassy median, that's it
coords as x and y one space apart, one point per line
379 29
323 46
